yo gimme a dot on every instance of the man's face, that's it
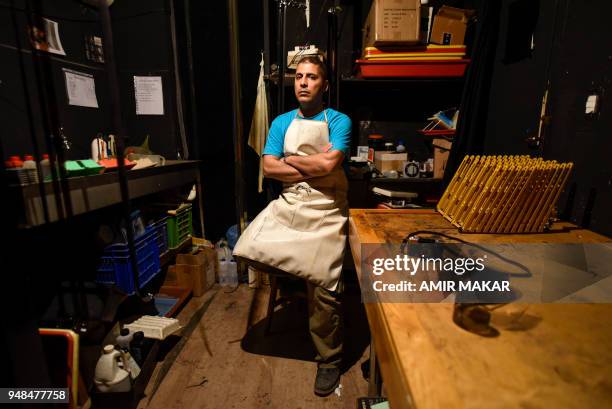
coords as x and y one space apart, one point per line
309 85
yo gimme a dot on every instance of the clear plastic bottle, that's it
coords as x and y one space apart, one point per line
232 273
223 271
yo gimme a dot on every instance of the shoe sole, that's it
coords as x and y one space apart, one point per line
327 392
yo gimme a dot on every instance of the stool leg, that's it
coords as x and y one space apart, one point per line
271 303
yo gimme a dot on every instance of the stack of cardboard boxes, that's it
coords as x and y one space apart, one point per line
396 39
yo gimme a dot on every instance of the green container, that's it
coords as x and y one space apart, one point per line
82 167
91 167
73 168
179 225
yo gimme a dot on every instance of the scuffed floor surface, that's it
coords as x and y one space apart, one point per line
248 369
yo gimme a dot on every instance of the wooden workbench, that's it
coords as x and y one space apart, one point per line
546 355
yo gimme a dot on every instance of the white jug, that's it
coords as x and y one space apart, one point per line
108 376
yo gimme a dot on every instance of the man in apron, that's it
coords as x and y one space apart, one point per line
303 232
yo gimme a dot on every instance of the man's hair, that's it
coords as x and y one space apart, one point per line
315 60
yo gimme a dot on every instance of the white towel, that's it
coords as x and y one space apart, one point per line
260 124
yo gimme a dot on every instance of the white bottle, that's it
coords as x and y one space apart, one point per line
29 164
99 148
108 376
45 167
124 338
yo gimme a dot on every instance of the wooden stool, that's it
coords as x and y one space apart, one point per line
273 300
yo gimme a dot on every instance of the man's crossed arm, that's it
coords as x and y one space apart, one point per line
297 168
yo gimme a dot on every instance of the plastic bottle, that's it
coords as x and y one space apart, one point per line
228 272
124 338
16 161
130 364
223 271
30 164
139 347
223 250
13 172
108 376
99 148
45 167
232 273
374 144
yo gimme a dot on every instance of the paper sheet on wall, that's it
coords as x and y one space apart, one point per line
81 89
149 95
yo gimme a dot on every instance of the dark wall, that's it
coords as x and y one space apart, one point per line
213 99
571 50
16 91
581 66
519 75
143 47
142 42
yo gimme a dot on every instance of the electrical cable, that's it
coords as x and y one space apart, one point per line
408 238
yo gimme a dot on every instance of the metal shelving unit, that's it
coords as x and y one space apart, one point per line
89 193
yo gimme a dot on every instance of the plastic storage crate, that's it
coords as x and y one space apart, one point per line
179 225
161 234
116 268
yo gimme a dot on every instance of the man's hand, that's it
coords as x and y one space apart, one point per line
319 164
279 169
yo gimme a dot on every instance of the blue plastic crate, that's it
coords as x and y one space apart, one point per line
161 234
116 268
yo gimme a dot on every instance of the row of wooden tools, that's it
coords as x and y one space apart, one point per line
503 194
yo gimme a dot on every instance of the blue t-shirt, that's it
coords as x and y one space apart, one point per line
339 131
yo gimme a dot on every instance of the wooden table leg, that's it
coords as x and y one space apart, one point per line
375 382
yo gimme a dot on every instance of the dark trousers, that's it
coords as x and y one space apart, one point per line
325 322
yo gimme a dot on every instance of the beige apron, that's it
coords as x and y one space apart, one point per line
303 232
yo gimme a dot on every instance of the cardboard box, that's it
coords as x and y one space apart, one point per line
392 22
171 279
449 25
385 160
195 271
441 151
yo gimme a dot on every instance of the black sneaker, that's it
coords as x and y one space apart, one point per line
327 380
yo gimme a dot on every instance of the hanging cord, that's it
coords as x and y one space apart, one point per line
410 237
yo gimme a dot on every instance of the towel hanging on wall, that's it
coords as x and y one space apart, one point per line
260 124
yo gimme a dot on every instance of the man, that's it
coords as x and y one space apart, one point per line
303 232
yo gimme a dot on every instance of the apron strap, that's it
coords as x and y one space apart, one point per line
298 112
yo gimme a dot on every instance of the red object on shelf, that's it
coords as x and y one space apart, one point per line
436 132
412 69
112 164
